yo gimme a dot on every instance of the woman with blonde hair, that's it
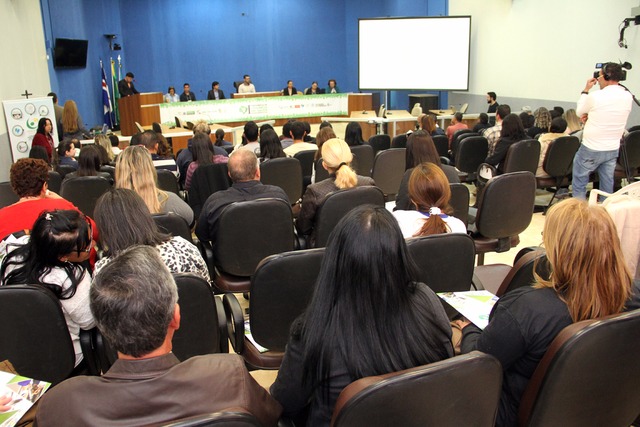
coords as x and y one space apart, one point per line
589 279
336 159
104 141
72 124
573 121
430 193
135 171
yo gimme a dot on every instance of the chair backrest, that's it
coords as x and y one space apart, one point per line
506 206
588 376
471 153
167 181
250 231
64 169
321 172
521 273
399 141
455 142
285 173
36 339
459 132
281 289
634 128
55 181
226 419
522 156
305 158
445 262
111 170
178 122
337 204
156 127
442 145
460 202
237 84
362 159
460 391
558 160
206 180
388 170
173 224
380 142
139 127
631 150
7 196
84 191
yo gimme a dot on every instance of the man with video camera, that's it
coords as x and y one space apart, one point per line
605 114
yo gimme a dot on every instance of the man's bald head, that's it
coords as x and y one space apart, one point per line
243 166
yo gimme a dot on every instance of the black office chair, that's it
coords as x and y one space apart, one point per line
281 289
380 143
237 84
445 262
588 376
156 127
522 156
55 181
502 278
173 224
558 163
629 160
206 180
387 171
442 145
111 170
84 191
321 172
36 338
460 391
633 128
399 141
504 211
167 181
306 164
363 156
64 169
336 205
455 142
223 419
247 232
7 196
286 173
459 202
471 153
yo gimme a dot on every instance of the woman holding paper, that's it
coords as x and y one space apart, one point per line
589 279
367 317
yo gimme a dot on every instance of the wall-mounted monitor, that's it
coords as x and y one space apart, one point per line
70 53
430 53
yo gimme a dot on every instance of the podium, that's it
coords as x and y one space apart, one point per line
132 110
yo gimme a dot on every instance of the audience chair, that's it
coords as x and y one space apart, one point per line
286 173
167 181
558 163
588 376
84 191
55 181
7 196
362 159
306 164
460 132
522 156
206 180
502 278
157 128
629 160
337 204
281 289
35 339
399 141
633 128
455 143
387 171
504 211
471 152
223 419
111 170
321 172
139 127
460 391
445 262
442 145
380 143
460 202
173 224
64 169
247 232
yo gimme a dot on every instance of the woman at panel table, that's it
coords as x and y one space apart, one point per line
589 279
366 270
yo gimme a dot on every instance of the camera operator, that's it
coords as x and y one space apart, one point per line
605 114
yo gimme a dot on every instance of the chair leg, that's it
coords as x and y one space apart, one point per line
480 258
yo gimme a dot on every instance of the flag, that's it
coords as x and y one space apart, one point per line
106 100
116 94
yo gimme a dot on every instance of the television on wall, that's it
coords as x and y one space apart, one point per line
70 53
430 53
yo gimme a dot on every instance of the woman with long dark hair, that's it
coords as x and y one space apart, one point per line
43 137
59 241
512 132
89 162
202 149
270 145
367 316
353 134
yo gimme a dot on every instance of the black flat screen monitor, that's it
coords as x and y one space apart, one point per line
430 53
70 53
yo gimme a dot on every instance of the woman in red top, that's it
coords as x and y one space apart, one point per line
43 136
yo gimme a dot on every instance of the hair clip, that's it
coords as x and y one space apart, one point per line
48 216
434 211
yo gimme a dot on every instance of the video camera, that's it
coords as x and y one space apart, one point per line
625 66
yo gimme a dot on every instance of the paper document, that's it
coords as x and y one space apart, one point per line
23 393
474 305
247 333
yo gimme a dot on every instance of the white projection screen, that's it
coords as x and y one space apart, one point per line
430 53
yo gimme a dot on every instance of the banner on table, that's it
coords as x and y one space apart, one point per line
261 108
22 117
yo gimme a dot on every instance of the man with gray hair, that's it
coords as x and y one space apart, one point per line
244 170
135 303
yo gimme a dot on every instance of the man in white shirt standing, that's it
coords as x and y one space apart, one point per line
606 112
247 86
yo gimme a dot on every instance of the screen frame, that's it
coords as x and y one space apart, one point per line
62 59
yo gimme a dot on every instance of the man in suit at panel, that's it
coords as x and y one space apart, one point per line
126 87
215 92
187 95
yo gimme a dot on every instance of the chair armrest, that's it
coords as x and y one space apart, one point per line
593 196
235 322
89 353
206 250
222 325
